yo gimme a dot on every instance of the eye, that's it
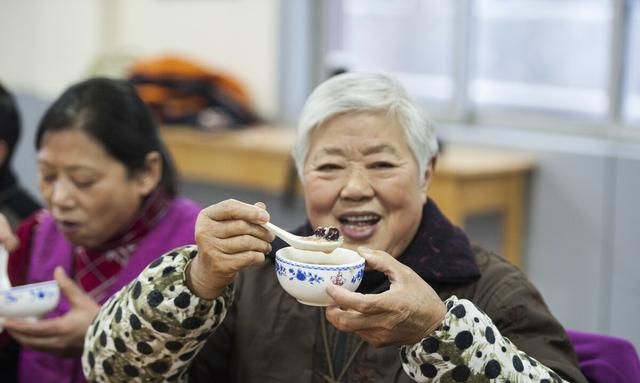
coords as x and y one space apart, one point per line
47 178
83 184
381 165
328 167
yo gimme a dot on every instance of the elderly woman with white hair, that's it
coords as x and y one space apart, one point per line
431 307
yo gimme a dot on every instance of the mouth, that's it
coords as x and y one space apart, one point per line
68 226
359 226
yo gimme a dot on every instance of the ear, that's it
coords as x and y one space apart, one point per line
149 177
4 152
428 176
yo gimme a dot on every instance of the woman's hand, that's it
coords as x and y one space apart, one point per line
7 237
61 336
406 313
229 239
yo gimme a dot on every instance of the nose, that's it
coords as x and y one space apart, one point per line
357 185
62 194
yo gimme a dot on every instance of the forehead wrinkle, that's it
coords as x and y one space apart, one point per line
380 148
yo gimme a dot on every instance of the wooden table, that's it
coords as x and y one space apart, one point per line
472 181
467 180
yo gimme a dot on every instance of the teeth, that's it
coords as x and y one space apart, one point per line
361 218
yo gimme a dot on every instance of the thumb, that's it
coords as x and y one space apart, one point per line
380 261
376 259
69 288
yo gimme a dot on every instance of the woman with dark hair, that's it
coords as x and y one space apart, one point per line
110 190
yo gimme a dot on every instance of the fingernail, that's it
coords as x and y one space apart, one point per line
263 215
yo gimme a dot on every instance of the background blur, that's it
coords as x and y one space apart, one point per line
556 78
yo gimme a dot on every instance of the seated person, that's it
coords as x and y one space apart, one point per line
110 190
16 203
366 158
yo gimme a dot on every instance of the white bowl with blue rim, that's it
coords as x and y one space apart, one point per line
305 274
30 301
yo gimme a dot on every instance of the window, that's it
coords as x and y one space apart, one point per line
573 60
632 102
546 54
412 39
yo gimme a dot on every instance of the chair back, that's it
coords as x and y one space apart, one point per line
605 359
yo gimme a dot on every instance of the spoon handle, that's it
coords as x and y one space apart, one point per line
281 233
5 282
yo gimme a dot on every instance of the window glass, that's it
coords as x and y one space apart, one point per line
548 54
413 39
632 103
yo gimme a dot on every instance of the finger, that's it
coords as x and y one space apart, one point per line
41 328
233 263
243 243
69 288
232 209
381 261
351 320
348 300
261 205
233 228
47 344
7 237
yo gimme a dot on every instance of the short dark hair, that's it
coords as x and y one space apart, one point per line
9 121
111 112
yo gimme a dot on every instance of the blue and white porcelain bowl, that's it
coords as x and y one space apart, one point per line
305 274
29 301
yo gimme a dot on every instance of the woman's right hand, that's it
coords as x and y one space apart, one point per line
7 237
229 239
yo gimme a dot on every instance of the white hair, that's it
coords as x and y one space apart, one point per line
365 93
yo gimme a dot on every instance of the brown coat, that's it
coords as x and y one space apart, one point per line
269 337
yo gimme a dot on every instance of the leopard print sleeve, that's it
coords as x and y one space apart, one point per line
469 348
151 329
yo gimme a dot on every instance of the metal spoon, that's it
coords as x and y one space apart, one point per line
304 243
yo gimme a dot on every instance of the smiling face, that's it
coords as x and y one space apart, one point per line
89 193
361 176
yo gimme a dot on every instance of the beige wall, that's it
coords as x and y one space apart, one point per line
47 44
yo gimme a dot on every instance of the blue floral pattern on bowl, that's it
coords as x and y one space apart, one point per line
32 300
34 294
358 276
307 282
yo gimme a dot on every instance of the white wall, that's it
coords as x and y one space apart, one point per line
45 45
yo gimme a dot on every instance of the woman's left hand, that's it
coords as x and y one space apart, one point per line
406 313
61 336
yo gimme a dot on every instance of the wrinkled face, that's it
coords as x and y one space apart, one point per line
89 193
361 176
